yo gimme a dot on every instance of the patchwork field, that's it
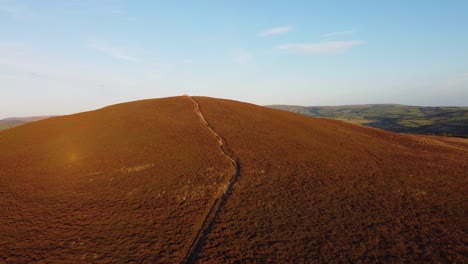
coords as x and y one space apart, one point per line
204 180
446 121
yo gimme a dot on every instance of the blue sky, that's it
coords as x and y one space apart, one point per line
59 57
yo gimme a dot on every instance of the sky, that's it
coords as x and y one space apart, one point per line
61 57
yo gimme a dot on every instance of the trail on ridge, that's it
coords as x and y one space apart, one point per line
219 201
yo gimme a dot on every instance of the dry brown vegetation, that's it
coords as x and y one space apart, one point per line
125 183
316 190
134 182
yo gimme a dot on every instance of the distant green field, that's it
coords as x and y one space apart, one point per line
16 121
5 126
451 121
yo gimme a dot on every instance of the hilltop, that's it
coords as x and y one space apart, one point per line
205 180
448 121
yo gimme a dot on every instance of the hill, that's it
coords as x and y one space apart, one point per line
16 121
197 179
397 118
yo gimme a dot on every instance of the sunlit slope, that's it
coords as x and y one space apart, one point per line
129 182
317 190
186 179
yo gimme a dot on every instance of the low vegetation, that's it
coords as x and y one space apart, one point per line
318 191
127 183
135 182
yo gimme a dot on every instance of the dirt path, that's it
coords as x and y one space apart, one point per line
219 201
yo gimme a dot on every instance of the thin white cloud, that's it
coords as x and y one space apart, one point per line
115 11
275 31
85 7
25 69
23 59
110 51
329 47
130 18
338 33
241 57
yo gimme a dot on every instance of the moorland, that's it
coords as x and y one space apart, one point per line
205 180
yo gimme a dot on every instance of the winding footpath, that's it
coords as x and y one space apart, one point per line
220 200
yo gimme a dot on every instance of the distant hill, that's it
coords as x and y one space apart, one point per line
205 180
452 121
16 121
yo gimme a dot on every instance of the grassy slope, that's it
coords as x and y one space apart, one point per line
318 190
126 183
396 118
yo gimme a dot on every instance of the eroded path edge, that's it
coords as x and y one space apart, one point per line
220 200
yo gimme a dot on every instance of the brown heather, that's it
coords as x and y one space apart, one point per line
151 182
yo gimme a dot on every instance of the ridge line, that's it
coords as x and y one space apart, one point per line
220 200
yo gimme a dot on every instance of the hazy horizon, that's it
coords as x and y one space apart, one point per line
66 57
99 107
